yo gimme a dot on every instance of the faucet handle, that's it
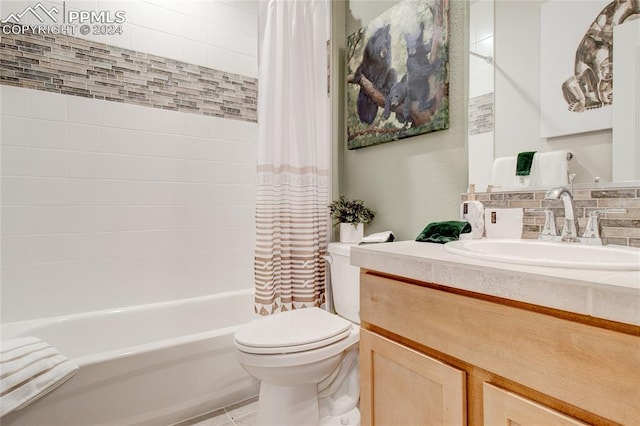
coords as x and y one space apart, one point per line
593 228
549 229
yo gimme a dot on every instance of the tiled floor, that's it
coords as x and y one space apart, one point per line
239 414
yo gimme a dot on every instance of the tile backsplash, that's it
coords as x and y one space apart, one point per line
78 67
481 114
617 228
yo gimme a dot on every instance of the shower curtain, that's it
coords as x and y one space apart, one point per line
293 156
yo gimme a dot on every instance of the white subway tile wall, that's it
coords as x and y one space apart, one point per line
107 204
120 209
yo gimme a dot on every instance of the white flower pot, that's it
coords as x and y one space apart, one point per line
350 233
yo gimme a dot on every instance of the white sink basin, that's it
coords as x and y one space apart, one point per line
554 254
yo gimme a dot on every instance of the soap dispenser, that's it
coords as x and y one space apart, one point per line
472 211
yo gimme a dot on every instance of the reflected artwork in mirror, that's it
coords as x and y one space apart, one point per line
578 42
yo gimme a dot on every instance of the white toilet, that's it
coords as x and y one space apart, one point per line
307 359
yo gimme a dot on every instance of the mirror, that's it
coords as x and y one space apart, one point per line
505 78
481 92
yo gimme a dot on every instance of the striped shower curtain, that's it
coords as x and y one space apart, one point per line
293 156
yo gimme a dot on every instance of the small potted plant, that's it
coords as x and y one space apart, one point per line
352 215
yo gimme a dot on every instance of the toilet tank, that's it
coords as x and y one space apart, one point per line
345 282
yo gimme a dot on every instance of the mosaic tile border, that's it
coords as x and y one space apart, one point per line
78 67
617 228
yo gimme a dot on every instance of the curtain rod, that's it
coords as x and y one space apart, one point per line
488 59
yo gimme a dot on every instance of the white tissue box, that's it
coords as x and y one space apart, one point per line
503 223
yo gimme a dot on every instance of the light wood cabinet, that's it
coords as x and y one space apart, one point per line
521 364
404 387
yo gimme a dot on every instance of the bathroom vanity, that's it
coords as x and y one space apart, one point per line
452 340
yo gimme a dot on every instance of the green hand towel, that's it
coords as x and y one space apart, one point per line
443 232
523 165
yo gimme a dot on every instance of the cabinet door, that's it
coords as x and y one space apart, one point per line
400 386
505 408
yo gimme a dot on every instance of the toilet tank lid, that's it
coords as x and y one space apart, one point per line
343 249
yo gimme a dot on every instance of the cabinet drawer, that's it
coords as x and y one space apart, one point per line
506 408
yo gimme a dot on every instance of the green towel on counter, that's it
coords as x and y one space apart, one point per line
443 232
523 165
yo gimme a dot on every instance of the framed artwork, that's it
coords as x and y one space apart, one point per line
397 74
577 64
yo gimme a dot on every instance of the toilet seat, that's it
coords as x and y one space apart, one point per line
292 332
302 358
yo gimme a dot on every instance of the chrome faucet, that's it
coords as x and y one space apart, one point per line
570 227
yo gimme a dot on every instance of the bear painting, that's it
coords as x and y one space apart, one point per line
376 67
409 40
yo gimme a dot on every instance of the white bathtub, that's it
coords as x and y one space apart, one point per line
153 364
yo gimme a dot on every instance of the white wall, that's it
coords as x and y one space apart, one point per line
106 204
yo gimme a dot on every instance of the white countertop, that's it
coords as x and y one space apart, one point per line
608 295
